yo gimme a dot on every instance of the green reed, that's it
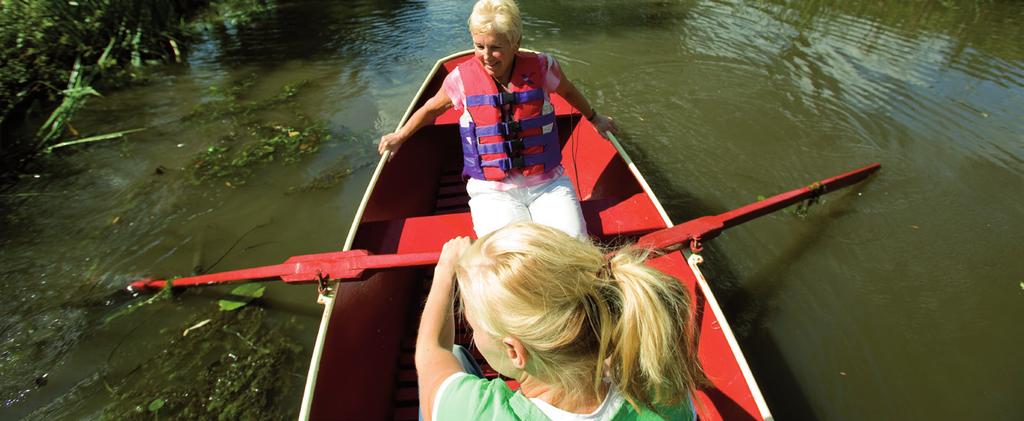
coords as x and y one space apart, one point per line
55 54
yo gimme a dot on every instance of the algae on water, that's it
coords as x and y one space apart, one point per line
233 157
229 101
330 178
239 365
250 140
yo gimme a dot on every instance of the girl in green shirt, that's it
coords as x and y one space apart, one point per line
587 336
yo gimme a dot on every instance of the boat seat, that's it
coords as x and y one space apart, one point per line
606 218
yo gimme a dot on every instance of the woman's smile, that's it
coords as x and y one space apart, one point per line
495 53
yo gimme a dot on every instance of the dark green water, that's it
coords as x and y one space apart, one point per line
899 299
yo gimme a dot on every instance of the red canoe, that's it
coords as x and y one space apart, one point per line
362 364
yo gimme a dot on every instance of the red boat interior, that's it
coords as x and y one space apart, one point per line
418 203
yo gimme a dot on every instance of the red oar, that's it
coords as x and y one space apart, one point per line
303 269
350 265
708 227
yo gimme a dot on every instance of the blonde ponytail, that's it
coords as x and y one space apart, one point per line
573 310
655 358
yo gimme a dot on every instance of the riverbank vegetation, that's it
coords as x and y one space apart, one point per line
56 54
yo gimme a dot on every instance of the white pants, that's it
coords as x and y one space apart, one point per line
553 204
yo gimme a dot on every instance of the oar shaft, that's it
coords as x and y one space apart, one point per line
339 266
263 272
707 227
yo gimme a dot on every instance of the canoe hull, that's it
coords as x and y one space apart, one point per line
362 365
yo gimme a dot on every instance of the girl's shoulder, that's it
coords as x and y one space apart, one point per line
465 396
682 412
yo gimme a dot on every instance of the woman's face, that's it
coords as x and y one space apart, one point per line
495 52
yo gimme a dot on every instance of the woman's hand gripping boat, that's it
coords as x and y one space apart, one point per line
362 362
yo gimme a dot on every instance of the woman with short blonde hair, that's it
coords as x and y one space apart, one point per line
512 157
585 335
497 16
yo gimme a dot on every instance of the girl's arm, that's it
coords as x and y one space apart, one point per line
573 96
435 361
434 107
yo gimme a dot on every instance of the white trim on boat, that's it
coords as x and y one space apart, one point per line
321 336
762 406
314 363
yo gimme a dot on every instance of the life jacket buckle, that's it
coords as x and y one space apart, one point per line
511 128
515 147
512 162
506 98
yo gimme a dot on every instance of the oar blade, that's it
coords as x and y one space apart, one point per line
707 227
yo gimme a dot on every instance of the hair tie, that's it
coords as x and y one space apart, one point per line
605 271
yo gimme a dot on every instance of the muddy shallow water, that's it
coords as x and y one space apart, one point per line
901 298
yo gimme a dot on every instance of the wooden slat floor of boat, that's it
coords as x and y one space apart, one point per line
451 193
406 399
451 218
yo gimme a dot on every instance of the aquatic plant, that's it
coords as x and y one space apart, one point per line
77 92
46 45
251 140
233 157
241 295
230 365
236 12
57 53
227 101
166 293
332 177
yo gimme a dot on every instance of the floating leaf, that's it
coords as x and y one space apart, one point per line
245 293
229 305
156 405
249 290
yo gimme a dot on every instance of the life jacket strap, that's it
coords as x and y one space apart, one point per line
505 98
512 128
549 158
514 147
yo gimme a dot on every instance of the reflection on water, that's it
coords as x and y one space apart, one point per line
897 298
